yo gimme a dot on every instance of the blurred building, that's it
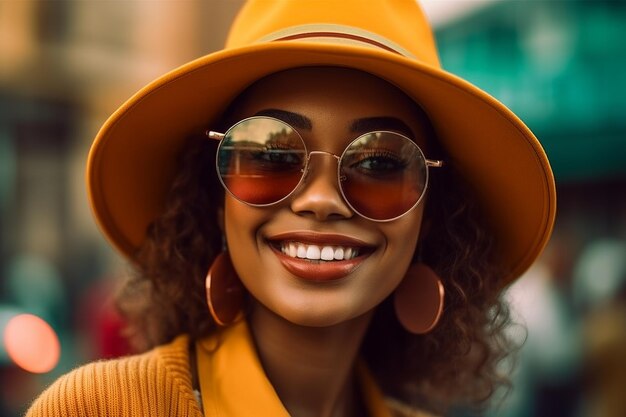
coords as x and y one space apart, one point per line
65 66
561 67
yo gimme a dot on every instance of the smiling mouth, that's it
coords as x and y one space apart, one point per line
320 257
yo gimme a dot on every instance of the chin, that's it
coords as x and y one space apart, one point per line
318 316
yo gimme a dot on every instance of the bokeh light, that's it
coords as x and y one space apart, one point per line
31 343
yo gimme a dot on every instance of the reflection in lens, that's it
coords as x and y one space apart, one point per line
261 160
384 175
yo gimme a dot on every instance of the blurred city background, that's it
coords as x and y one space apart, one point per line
559 64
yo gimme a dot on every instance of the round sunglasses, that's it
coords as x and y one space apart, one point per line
382 175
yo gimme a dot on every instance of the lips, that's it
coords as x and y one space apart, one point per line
319 257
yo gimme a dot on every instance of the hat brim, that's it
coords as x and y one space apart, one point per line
134 157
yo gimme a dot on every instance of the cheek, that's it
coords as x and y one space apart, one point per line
263 190
389 201
402 237
241 223
382 278
239 227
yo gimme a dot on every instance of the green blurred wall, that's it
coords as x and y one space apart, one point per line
560 66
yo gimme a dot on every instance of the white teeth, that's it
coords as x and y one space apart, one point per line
292 250
328 254
316 253
313 252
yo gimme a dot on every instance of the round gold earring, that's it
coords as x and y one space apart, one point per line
419 299
224 291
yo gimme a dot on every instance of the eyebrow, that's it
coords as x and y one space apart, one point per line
370 124
294 119
362 125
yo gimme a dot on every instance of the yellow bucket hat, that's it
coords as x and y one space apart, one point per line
134 157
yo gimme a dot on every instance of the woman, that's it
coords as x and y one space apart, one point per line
365 211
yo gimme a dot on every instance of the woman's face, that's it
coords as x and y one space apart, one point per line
325 103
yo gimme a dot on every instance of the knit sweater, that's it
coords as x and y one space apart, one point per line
156 383
159 383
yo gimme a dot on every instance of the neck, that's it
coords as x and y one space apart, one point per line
311 368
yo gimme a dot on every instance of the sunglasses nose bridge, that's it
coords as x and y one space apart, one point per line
319 191
322 153
307 169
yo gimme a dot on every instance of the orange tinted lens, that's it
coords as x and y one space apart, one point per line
260 160
383 175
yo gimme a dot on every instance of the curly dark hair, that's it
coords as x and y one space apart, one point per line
457 363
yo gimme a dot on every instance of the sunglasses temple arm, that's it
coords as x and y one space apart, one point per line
435 163
214 135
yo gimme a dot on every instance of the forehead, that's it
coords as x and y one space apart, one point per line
321 93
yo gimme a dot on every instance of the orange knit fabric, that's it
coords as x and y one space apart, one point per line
156 383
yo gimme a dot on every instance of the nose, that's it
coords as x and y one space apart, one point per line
319 195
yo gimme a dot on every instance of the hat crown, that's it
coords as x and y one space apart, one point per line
398 26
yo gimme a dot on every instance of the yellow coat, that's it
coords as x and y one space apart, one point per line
159 383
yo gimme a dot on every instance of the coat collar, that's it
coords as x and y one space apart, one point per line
233 383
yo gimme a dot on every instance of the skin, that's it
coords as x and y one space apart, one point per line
293 318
